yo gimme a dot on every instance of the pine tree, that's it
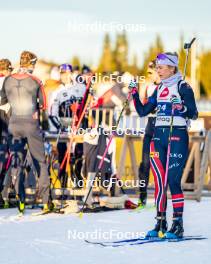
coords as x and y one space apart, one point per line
134 70
121 52
152 53
205 72
106 61
75 61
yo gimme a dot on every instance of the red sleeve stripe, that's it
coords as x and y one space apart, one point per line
44 106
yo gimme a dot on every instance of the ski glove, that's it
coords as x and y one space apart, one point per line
133 87
176 103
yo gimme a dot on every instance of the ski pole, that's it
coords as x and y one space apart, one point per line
187 47
58 137
104 154
83 103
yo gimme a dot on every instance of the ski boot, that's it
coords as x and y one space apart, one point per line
160 227
176 230
46 209
21 207
6 204
140 205
142 200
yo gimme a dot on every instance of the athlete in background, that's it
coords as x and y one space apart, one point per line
144 168
5 70
24 92
68 94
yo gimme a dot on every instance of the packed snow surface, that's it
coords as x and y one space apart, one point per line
60 239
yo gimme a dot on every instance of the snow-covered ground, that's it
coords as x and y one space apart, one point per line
50 239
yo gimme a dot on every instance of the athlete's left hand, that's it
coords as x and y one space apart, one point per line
176 103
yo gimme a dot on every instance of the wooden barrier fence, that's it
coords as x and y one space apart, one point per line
199 160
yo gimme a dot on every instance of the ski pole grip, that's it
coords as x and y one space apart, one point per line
188 45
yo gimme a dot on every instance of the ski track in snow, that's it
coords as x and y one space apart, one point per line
44 239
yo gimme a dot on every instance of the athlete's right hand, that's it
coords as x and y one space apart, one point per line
133 87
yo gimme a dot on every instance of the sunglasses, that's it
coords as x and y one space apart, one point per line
162 56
